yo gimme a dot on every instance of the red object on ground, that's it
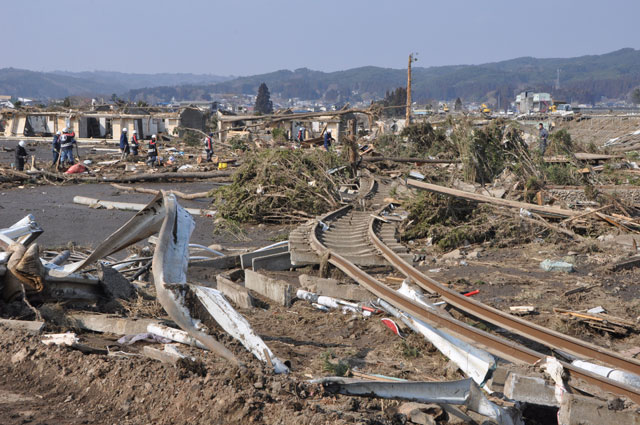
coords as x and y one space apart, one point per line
76 169
474 292
392 325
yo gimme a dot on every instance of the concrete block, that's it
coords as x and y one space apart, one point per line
226 262
246 259
23 325
272 262
580 410
114 284
114 325
529 389
276 290
333 288
239 295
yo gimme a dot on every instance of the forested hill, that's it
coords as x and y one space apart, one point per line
584 79
60 84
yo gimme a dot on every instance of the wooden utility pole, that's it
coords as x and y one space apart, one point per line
408 114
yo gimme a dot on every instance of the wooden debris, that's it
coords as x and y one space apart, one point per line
544 210
601 321
416 161
578 290
629 263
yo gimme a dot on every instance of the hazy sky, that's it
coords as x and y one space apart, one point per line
237 37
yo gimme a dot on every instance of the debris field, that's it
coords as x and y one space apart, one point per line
442 273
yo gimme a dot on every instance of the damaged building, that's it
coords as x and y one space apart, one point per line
101 124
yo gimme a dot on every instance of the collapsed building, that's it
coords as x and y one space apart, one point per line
312 124
100 123
528 102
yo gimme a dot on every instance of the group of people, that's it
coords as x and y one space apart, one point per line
62 147
131 148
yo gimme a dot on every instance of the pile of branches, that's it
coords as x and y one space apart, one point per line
282 186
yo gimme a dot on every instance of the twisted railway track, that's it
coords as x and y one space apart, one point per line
356 235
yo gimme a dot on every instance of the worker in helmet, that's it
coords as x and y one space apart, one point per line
55 147
124 144
21 155
134 143
67 140
152 152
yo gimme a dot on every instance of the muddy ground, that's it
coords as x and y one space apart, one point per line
50 385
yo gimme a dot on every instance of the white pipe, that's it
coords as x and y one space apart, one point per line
206 248
173 334
274 245
628 378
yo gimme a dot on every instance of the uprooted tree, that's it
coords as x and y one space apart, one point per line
282 186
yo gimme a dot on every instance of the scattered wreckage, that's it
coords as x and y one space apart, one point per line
66 277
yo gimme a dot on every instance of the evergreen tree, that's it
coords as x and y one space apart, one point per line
458 105
398 97
263 100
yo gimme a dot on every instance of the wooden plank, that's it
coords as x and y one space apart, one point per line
541 210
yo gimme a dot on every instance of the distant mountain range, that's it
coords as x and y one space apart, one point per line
584 79
60 84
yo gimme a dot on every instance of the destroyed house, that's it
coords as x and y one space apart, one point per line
313 123
99 124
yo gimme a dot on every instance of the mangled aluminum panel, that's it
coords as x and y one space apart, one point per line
237 326
464 392
169 273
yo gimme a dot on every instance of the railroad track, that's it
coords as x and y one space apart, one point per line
350 234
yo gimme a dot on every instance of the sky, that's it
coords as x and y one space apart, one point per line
250 37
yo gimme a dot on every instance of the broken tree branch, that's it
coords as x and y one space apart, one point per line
187 196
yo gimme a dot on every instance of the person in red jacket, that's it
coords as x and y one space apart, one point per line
134 143
208 146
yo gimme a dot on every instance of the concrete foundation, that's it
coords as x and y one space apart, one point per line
246 259
580 410
276 290
239 295
530 389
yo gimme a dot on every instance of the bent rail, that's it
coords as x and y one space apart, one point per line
492 343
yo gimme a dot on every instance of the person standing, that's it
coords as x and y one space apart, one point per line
124 144
21 155
67 141
208 146
327 140
152 152
134 143
55 147
543 134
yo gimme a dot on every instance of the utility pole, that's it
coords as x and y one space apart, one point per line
408 114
